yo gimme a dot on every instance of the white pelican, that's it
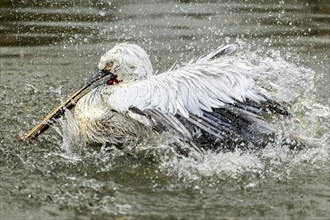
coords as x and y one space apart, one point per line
211 101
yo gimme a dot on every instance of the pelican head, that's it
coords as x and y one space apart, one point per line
127 61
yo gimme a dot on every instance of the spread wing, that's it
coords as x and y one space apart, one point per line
203 93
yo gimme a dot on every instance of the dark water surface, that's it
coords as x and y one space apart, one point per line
48 48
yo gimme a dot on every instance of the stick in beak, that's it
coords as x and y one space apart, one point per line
67 104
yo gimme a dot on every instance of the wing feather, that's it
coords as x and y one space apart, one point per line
169 121
192 89
194 92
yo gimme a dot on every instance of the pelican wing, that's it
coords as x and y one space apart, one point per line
198 92
191 89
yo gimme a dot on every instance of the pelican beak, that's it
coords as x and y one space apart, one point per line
96 80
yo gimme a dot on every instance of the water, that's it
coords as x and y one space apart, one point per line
47 50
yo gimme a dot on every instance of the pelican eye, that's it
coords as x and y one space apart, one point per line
108 66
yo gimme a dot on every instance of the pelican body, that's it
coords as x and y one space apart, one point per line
210 102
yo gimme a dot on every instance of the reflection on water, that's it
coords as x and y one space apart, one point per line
47 22
48 48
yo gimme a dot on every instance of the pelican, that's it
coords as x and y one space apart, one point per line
211 101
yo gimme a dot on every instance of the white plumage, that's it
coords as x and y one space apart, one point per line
189 89
215 94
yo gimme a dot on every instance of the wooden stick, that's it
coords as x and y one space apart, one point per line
59 110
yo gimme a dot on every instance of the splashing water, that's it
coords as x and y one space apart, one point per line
286 81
